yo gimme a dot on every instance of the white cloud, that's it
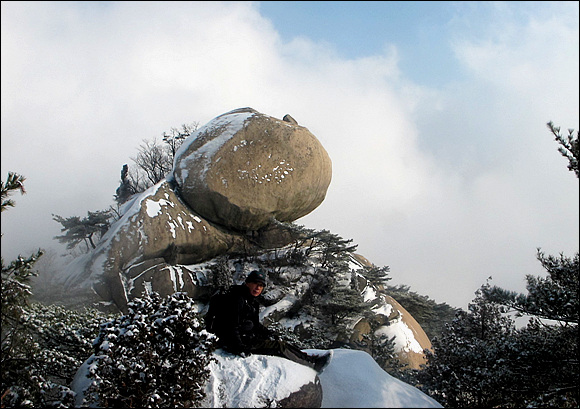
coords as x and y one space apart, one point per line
447 186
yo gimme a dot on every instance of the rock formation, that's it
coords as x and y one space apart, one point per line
392 320
236 185
243 171
157 231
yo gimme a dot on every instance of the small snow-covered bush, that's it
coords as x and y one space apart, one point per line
52 343
157 355
65 337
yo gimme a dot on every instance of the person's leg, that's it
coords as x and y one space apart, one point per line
284 350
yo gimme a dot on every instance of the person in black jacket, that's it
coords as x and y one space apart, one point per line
234 318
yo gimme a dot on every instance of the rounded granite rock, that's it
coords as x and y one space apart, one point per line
243 169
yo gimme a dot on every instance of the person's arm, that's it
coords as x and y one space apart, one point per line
260 329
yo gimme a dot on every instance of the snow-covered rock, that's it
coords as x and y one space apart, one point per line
410 339
352 379
260 380
156 232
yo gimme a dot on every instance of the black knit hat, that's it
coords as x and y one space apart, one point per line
257 276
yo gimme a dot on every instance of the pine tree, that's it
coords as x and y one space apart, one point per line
547 361
157 355
42 346
535 366
340 303
333 250
20 381
14 181
20 384
382 349
569 147
377 276
17 345
221 276
554 297
466 367
547 348
432 316
88 230
304 243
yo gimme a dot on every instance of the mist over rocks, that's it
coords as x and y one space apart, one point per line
244 169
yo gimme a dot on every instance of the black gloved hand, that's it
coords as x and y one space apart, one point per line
247 326
275 336
241 350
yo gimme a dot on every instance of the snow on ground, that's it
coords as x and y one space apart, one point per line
253 381
352 379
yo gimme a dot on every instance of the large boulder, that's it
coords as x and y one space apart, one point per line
245 169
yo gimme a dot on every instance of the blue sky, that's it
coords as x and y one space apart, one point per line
423 32
365 28
433 114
